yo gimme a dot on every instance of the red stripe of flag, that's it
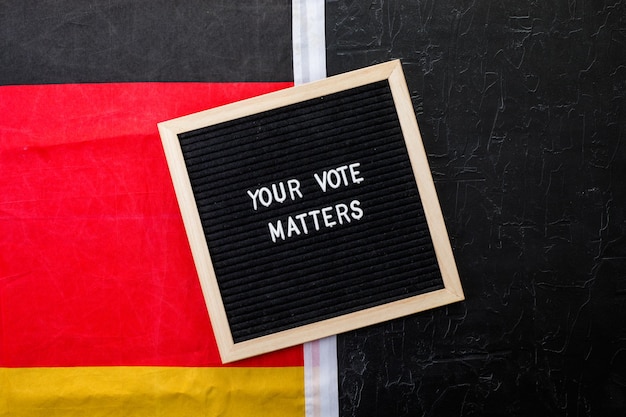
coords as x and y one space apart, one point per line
95 268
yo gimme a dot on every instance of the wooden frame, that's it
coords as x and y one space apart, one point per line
230 350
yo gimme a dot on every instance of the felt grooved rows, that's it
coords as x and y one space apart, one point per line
315 270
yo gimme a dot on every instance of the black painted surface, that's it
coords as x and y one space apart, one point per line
521 105
74 41
324 264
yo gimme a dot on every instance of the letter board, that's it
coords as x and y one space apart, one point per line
311 211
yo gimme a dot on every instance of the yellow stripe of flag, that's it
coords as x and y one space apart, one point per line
131 391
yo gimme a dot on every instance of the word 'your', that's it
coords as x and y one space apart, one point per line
328 179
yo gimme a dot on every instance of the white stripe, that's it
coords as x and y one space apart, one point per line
309 64
320 378
309 41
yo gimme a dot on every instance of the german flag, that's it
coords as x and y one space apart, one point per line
101 311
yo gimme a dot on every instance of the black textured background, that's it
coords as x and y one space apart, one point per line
521 105
74 41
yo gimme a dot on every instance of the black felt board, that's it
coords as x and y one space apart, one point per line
385 255
311 211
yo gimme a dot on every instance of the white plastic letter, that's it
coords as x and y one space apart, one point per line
321 181
294 188
354 173
276 231
254 198
357 211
